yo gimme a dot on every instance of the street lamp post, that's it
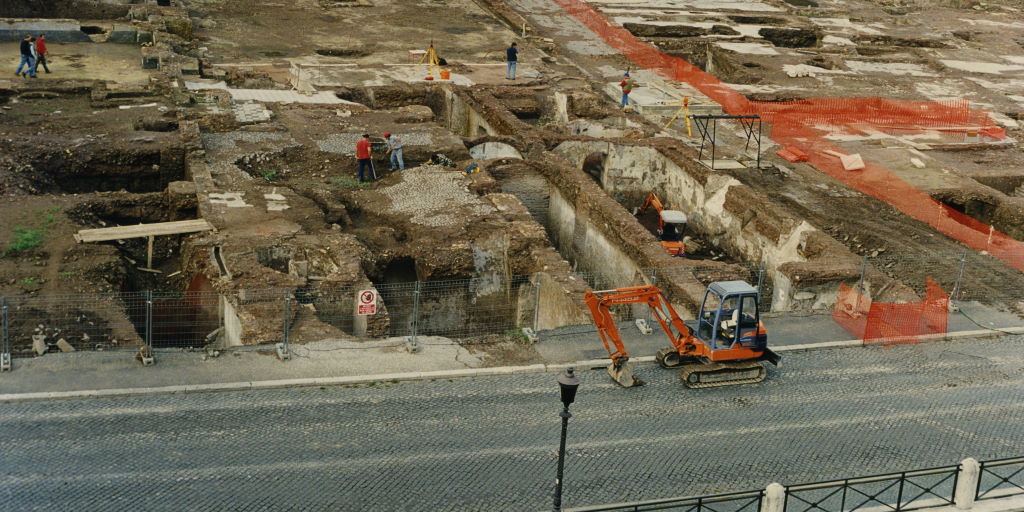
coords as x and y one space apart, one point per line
567 384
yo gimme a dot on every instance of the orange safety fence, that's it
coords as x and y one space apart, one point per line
802 125
892 322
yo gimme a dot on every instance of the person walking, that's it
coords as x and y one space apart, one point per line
627 84
27 60
41 53
395 148
363 155
512 58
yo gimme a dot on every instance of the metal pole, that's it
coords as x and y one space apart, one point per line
959 276
760 281
759 143
5 349
287 319
561 459
714 133
415 312
654 282
860 284
149 318
863 271
536 301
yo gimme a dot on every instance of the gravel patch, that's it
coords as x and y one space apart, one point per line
435 196
227 143
345 143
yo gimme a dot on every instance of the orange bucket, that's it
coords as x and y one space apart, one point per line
446 75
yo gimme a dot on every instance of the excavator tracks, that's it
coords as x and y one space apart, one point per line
711 375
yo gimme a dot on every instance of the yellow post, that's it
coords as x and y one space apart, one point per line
684 108
686 115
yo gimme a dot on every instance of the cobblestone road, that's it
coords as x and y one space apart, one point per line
488 444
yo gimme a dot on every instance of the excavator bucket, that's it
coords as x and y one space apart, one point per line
623 375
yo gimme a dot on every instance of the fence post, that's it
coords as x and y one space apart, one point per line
953 296
774 498
760 281
145 355
649 313
536 301
967 484
863 271
149 319
282 348
411 344
5 349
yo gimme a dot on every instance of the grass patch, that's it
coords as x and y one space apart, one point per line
25 239
67 274
49 215
348 182
516 335
268 174
28 281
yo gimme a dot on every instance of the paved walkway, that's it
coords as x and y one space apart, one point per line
489 444
80 371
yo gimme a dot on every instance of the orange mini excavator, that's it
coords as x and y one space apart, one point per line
671 225
724 346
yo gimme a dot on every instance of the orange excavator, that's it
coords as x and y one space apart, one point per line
671 225
725 345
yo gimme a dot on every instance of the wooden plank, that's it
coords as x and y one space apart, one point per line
143 230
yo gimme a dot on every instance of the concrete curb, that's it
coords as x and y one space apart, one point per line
587 364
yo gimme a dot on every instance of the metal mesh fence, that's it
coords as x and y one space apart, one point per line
36 324
467 307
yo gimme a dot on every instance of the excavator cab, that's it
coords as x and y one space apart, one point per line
729 317
672 225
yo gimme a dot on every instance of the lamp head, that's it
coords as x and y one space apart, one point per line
568 385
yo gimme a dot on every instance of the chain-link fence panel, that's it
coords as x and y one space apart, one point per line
495 304
44 323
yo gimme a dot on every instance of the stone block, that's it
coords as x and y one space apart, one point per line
123 34
56 30
150 58
298 268
179 26
181 188
189 66
64 346
414 114
39 344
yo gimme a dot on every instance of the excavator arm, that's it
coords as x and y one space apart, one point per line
652 200
678 333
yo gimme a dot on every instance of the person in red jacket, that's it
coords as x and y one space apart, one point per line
41 51
363 155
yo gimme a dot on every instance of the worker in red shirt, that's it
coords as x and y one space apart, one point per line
42 52
363 155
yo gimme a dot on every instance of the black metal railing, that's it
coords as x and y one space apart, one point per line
908 490
1000 478
748 501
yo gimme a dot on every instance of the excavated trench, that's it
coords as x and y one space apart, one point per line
178 319
49 169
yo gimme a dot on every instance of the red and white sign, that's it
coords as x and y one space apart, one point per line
367 302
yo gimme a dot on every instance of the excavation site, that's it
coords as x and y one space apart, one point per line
181 181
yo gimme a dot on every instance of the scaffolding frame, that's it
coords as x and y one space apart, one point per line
747 122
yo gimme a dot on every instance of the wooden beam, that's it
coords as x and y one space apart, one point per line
143 230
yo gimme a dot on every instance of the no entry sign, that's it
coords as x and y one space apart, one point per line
367 302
